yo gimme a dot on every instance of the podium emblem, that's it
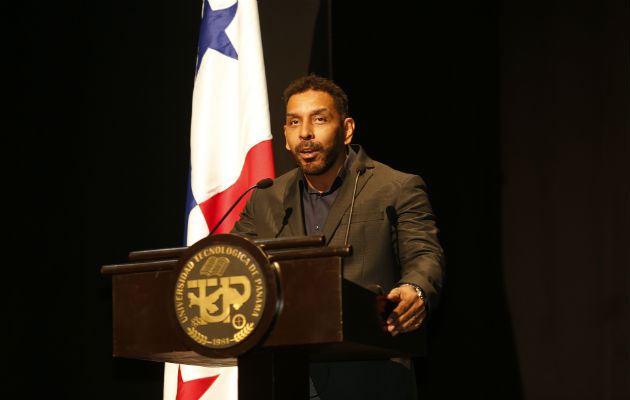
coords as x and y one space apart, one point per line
220 294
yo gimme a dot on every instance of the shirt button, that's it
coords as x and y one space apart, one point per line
316 227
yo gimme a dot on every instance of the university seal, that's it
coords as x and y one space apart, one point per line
225 295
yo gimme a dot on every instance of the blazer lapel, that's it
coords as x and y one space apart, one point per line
344 198
292 223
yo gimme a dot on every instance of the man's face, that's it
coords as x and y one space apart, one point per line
315 133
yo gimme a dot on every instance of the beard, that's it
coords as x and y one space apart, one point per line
327 157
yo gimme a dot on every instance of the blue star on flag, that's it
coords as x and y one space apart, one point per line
212 34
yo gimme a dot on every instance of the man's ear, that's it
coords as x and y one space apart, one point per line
286 142
348 129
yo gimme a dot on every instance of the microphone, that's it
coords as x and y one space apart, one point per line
360 171
285 220
392 215
262 184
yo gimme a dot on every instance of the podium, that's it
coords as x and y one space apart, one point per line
269 306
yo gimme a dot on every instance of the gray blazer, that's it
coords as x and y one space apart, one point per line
393 232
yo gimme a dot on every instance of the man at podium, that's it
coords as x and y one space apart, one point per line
339 192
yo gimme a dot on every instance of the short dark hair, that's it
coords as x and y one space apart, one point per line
315 82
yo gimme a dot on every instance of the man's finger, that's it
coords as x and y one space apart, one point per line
414 308
394 295
400 311
412 322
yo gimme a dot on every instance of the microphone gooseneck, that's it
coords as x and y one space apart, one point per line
360 172
262 184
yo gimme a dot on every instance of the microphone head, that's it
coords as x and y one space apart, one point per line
392 215
287 215
264 183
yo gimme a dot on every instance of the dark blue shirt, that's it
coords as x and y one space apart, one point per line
316 205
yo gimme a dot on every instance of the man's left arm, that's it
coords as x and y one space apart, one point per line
420 256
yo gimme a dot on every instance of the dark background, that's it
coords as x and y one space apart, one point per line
514 112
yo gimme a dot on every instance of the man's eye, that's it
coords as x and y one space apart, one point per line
320 120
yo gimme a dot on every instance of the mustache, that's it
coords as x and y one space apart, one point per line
308 145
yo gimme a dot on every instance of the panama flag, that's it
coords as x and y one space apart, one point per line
230 151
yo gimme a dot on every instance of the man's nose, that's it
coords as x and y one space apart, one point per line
306 131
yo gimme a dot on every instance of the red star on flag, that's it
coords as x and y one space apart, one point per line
194 388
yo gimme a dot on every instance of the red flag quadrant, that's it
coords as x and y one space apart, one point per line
258 165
